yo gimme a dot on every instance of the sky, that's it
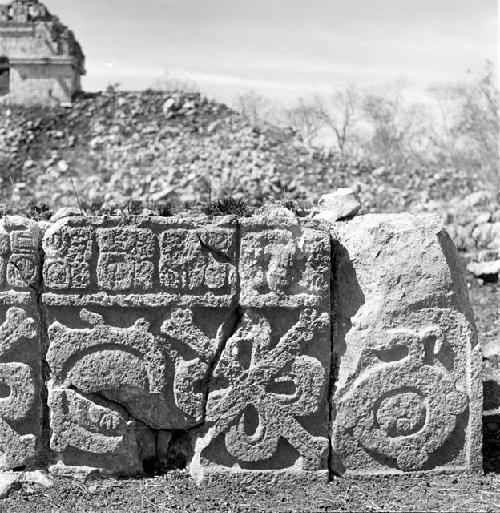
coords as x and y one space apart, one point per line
281 48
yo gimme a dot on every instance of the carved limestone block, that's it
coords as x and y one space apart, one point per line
20 354
267 409
408 394
90 432
19 260
138 341
267 404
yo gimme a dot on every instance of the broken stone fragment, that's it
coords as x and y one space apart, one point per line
341 204
91 432
65 212
136 314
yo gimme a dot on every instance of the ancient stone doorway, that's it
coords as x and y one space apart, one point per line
4 76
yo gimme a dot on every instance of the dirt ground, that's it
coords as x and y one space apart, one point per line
176 492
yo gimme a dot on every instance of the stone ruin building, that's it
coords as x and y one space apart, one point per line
40 60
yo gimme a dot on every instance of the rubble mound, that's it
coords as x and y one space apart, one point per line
109 148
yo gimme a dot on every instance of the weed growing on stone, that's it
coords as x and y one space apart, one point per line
229 206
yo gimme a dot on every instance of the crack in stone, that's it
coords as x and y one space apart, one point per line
216 253
333 357
229 327
37 291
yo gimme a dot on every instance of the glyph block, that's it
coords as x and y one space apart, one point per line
408 394
20 354
19 259
134 347
282 264
267 410
142 262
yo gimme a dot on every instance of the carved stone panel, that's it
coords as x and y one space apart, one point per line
267 409
406 405
19 260
131 352
142 262
408 394
267 405
20 355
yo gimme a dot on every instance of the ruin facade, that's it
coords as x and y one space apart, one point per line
41 62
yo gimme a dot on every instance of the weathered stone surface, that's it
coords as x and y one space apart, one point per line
20 358
162 331
408 394
94 433
144 262
267 411
155 376
282 264
135 334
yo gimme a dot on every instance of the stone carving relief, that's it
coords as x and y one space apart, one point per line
260 390
125 259
283 264
402 404
194 261
176 258
223 331
132 367
20 421
68 253
18 254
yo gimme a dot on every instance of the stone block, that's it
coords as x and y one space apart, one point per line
408 391
282 264
131 351
20 352
267 408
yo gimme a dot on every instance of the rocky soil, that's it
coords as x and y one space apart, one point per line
175 493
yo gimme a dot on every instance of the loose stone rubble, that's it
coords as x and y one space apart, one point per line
278 348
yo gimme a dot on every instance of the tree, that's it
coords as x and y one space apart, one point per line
470 125
304 118
338 113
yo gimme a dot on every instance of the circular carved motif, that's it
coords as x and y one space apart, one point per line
405 410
